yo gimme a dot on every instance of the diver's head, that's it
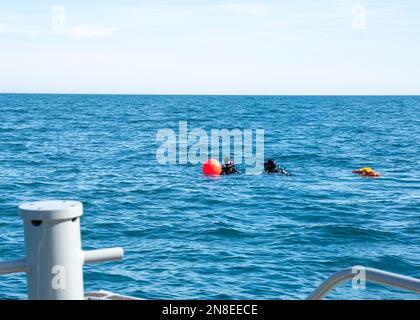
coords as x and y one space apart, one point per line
270 164
228 162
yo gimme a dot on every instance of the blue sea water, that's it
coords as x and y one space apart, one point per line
238 237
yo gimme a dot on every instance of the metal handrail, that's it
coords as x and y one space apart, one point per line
364 273
54 259
12 266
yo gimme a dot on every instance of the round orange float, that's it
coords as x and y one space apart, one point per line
212 167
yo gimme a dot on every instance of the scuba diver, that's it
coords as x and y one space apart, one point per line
270 166
229 167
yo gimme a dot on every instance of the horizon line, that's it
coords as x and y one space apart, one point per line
221 94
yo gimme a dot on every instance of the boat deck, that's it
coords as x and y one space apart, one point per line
106 295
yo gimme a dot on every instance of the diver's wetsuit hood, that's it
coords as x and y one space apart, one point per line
229 168
270 166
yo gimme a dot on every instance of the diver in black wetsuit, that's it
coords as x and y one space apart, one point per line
270 166
229 168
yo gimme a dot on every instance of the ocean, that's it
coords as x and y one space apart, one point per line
187 236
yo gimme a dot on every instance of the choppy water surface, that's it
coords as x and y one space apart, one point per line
238 237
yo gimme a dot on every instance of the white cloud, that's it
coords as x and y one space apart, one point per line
84 31
7 28
60 27
78 31
247 8
12 24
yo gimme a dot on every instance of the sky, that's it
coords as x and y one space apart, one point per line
210 47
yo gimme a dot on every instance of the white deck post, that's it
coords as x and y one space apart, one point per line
54 257
53 249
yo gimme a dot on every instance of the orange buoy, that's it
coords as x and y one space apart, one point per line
212 167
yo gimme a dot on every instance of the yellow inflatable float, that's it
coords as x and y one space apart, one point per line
368 172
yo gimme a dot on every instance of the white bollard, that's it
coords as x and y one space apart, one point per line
53 249
54 257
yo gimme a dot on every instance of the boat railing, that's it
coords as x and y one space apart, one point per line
359 275
54 259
